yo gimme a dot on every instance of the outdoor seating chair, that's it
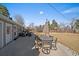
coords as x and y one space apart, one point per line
54 42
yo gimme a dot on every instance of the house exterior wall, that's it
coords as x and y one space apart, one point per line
1 34
9 30
14 31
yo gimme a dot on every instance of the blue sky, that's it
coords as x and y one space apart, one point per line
37 13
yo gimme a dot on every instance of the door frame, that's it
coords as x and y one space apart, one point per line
7 24
14 29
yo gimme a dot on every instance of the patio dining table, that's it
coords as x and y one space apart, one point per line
46 43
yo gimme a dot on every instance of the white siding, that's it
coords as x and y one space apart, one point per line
14 31
8 32
1 34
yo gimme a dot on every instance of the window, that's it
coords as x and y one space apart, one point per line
8 29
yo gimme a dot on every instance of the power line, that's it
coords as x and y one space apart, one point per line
57 10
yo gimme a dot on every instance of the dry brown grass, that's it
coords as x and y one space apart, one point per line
69 39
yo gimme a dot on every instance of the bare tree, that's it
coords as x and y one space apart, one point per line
19 19
31 25
75 25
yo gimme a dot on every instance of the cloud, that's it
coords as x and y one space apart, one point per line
41 12
71 10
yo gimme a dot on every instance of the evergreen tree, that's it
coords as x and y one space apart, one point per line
54 25
4 11
49 25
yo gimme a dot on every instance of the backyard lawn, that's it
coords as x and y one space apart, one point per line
71 40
